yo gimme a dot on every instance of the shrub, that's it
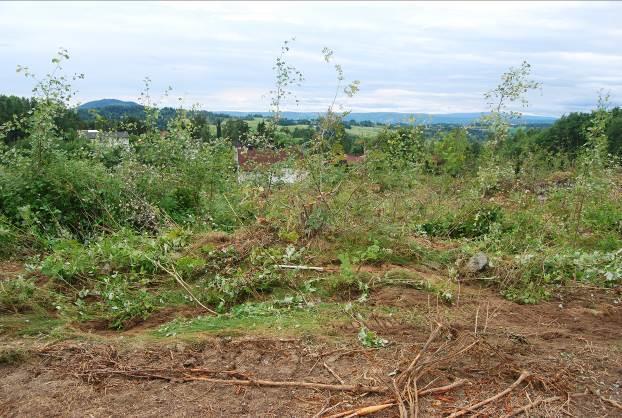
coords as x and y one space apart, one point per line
16 294
471 223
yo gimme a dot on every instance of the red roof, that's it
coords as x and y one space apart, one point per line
249 158
354 159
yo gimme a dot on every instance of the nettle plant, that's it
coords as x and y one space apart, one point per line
512 91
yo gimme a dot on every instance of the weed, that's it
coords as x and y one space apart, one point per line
12 356
471 223
370 339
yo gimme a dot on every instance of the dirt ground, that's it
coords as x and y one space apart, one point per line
571 346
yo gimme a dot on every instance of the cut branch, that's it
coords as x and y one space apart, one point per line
293 267
335 375
271 383
370 409
361 412
533 405
173 273
524 375
442 389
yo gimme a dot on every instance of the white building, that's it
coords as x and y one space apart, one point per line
120 138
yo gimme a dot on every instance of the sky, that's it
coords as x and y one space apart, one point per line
429 57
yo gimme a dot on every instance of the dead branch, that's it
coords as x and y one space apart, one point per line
407 373
442 389
370 409
612 402
271 383
243 382
400 401
532 405
415 412
446 358
335 375
173 273
139 374
326 410
361 412
524 375
288 266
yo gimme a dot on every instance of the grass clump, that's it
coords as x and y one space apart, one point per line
12 356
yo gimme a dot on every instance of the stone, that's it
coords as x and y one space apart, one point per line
190 362
477 263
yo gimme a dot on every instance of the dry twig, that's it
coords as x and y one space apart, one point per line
612 402
173 273
271 383
533 405
360 412
288 266
335 375
524 375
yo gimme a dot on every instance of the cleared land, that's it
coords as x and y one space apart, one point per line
184 362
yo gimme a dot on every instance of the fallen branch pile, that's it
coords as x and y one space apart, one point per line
406 393
228 377
423 375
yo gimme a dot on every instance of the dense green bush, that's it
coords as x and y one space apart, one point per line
473 222
75 196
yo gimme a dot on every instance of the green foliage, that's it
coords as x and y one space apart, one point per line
236 130
601 268
404 146
11 356
16 295
404 278
536 274
76 196
372 254
370 339
123 301
569 134
121 252
471 223
529 293
452 152
512 89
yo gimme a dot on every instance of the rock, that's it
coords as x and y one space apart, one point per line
477 263
190 362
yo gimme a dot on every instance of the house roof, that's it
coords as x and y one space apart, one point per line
354 159
251 157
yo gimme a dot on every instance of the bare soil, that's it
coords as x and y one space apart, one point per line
9 270
571 345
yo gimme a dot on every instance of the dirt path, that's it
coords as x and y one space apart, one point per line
572 345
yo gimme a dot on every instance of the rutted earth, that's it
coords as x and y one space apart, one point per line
571 345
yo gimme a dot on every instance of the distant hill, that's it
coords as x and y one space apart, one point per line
116 108
396 117
98 104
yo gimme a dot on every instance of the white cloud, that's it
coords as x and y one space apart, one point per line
415 57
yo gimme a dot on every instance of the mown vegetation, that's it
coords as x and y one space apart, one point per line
115 233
